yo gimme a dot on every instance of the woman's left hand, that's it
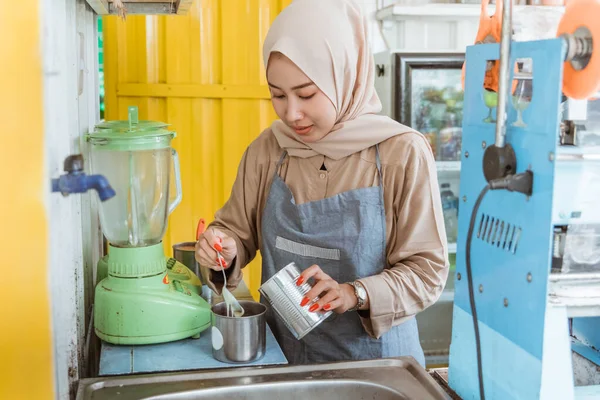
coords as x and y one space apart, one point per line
333 296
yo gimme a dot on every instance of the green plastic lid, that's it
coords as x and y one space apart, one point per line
131 135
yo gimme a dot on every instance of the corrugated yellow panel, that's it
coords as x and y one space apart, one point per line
174 66
153 71
207 141
208 15
26 370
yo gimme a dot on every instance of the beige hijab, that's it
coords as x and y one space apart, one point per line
327 40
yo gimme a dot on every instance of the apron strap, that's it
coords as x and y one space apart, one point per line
378 161
382 202
280 161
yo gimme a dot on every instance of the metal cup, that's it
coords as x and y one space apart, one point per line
285 296
239 339
185 253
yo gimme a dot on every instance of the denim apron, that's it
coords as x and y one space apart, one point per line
344 235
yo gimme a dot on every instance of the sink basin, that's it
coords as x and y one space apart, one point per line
394 378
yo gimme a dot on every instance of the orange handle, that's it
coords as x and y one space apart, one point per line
490 31
490 26
485 17
201 227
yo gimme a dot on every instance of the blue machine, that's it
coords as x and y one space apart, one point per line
517 314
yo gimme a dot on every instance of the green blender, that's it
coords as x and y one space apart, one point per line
145 297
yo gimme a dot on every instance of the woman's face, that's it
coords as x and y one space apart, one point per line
298 101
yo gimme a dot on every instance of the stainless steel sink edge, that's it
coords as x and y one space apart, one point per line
364 371
231 392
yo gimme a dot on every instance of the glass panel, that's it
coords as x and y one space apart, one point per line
436 111
436 104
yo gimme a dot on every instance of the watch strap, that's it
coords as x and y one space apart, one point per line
359 301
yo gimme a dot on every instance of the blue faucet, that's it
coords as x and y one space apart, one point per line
76 181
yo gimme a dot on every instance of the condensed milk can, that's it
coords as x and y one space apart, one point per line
285 296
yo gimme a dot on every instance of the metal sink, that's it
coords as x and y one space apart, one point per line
397 378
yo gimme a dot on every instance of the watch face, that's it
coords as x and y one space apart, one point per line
362 293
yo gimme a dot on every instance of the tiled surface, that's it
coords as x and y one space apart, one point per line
188 354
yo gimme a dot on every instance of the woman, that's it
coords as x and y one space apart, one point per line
348 195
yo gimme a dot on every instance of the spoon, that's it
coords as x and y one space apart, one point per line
233 307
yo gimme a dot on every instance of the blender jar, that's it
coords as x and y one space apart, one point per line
136 158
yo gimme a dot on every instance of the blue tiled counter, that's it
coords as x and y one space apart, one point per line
182 355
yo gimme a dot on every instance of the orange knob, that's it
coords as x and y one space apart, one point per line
585 82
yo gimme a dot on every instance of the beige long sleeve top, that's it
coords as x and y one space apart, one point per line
417 265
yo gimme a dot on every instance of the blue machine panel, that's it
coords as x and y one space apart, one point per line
511 244
587 334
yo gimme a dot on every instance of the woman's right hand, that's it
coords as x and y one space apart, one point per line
209 243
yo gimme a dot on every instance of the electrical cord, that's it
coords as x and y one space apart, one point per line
471 291
522 183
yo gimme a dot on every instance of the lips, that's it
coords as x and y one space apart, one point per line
303 130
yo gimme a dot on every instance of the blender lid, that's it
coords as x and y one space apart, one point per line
123 126
131 132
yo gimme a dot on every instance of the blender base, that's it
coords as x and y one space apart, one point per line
130 341
153 309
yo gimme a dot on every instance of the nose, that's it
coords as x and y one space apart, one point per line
293 112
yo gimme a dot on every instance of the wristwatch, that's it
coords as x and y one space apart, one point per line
360 293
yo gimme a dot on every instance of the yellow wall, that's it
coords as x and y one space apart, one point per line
203 74
25 338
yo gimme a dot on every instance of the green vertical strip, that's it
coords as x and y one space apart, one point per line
101 67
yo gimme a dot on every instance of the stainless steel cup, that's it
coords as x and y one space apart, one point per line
285 296
185 253
239 339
